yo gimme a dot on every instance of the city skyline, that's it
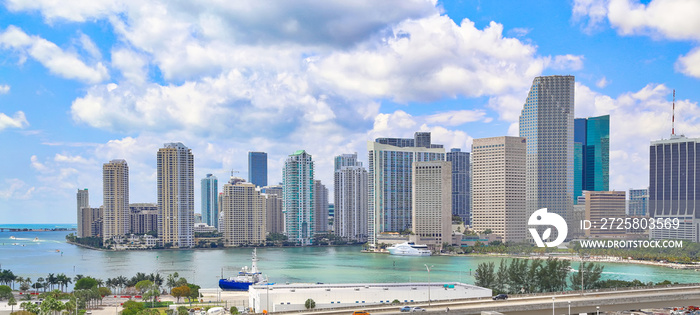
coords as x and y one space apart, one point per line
81 86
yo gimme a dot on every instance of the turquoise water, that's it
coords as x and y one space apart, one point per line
51 254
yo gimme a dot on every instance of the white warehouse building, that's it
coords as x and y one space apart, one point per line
289 297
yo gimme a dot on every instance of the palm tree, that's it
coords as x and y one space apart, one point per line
51 280
78 277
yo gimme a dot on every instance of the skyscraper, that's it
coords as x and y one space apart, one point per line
257 168
350 198
83 201
115 184
390 169
591 154
210 201
608 205
639 202
298 200
431 201
460 184
674 186
243 210
547 123
176 195
320 206
498 187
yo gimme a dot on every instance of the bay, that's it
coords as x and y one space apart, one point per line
345 264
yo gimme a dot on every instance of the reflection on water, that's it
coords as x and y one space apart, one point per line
300 264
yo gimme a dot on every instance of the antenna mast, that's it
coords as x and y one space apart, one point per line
673 117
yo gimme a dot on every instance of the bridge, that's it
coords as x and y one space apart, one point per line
538 304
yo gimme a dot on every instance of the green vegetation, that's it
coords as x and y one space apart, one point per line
90 241
309 304
524 276
5 292
7 277
233 310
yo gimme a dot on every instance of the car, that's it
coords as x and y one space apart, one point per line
417 309
406 309
501 296
360 313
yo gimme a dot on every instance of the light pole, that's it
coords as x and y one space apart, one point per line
597 310
552 305
426 267
569 307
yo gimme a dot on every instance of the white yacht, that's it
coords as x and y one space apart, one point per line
409 249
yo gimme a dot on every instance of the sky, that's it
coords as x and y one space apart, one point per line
85 82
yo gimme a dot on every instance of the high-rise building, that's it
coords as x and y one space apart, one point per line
320 206
591 154
144 218
115 185
273 213
547 123
210 201
431 200
350 198
390 169
91 221
83 201
298 198
674 186
460 184
498 187
605 206
243 214
638 203
257 168
422 139
176 195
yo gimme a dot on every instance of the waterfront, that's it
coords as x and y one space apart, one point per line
51 254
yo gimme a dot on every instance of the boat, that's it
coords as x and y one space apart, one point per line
245 278
409 249
12 237
36 239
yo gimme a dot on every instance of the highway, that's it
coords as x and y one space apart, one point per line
623 299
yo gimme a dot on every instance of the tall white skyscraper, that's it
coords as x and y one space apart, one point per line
115 184
547 123
498 187
298 198
210 201
350 198
83 201
390 169
432 202
176 195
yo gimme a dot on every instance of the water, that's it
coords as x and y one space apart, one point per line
51 254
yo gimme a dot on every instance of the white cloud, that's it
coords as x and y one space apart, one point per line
458 117
16 189
89 46
566 62
4 89
690 63
70 159
430 58
132 65
16 121
603 82
670 19
58 61
636 118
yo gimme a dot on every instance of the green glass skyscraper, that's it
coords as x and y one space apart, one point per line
591 154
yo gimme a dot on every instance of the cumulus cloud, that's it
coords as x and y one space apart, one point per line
670 19
4 89
603 82
689 64
649 107
431 58
18 120
566 62
58 61
458 117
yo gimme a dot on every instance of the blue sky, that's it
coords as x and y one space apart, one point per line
82 83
